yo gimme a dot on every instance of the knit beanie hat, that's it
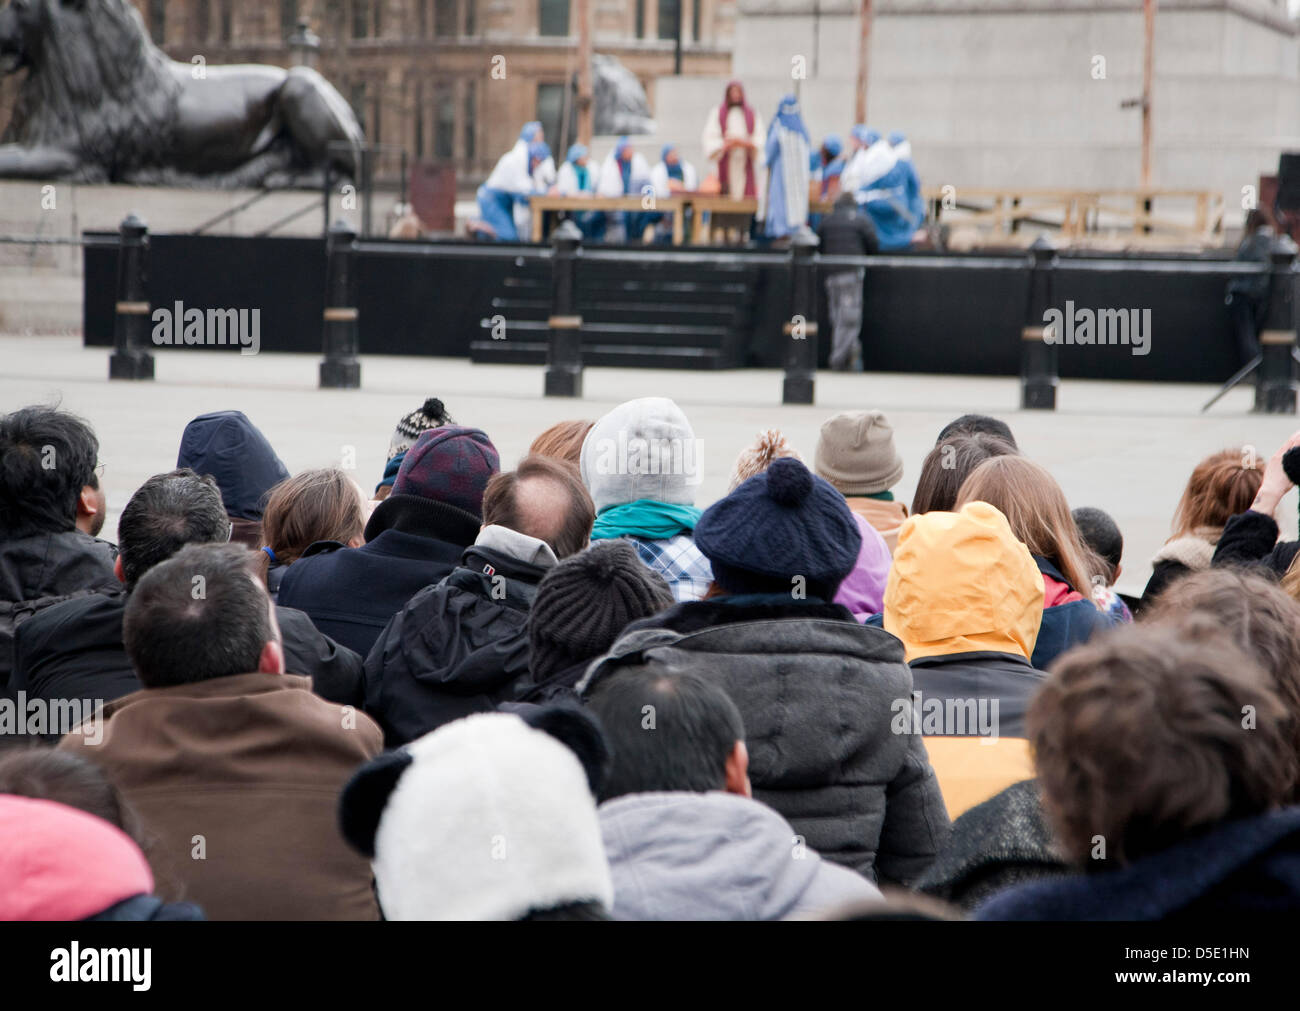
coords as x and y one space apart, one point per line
758 456
431 414
390 470
643 449
782 524
856 453
449 465
489 817
586 601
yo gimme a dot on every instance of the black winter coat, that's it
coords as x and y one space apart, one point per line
456 648
352 593
75 651
847 231
43 570
1250 538
816 691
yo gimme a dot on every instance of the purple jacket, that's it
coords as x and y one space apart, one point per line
863 589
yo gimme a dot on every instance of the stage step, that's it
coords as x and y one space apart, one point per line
632 356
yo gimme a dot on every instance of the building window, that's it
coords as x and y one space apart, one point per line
550 112
444 131
227 21
202 21
695 19
158 21
471 109
669 11
554 17
360 19
444 18
288 17
640 19
422 18
471 20
357 99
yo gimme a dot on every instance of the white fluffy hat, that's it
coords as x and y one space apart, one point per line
486 818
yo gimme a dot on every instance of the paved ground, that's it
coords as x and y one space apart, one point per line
1125 447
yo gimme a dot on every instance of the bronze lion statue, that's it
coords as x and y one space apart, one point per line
101 103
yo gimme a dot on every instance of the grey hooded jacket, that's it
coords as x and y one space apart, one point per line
818 694
716 856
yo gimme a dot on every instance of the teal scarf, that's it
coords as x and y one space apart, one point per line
645 518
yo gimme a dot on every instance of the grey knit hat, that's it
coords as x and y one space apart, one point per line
430 414
856 453
586 601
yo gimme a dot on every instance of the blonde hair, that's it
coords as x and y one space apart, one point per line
1035 506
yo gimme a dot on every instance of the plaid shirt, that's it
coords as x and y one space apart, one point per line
679 561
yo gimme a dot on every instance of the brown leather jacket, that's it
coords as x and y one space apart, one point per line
236 781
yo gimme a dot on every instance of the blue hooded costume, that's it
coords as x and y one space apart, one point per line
788 153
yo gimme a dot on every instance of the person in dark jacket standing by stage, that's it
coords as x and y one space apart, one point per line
75 651
1247 295
816 689
461 646
846 231
47 458
230 448
413 538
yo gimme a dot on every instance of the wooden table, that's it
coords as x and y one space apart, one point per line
587 202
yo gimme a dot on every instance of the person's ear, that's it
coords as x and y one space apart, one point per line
737 771
356 541
88 501
272 659
118 570
1119 569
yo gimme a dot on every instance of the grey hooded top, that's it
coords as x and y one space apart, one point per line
716 856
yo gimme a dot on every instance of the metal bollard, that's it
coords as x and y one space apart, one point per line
800 380
130 359
1038 348
1275 393
564 343
340 369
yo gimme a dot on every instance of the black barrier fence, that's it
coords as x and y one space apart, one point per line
941 313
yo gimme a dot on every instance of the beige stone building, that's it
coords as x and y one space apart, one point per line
450 80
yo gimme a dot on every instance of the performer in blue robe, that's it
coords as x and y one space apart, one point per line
787 155
510 183
903 149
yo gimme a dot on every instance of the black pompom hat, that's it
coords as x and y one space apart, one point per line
781 524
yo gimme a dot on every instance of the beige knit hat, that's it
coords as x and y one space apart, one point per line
758 456
856 453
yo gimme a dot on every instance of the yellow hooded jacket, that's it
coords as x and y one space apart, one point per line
962 584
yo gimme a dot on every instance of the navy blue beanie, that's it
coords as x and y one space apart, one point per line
782 523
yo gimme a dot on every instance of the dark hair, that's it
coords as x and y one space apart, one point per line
166 513
46 457
978 424
666 730
570 911
199 615
1259 615
1141 739
1101 533
947 466
315 505
48 774
845 200
566 528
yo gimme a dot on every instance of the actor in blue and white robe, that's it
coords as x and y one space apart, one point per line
882 193
510 184
787 156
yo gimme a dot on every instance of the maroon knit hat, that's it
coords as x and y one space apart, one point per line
449 465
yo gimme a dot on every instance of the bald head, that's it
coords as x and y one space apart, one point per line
542 498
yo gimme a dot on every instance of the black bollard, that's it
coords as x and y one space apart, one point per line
1038 347
801 328
130 358
1275 393
340 369
564 343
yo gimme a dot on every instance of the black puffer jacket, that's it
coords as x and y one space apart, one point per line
817 692
42 570
456 648
75 651
1250 538
1003 842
